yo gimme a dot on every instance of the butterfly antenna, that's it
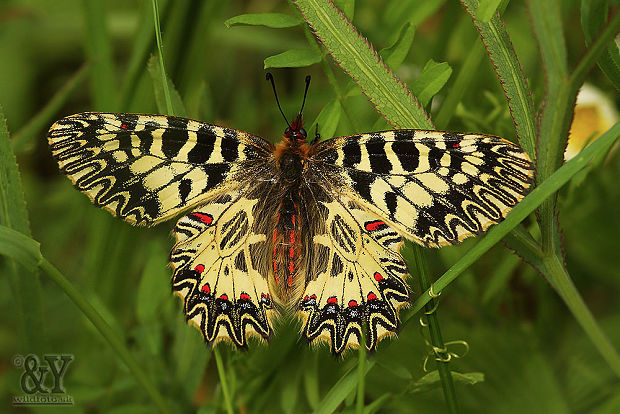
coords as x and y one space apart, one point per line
269 77
305 94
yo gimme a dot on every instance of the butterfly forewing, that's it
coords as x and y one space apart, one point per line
148 168
435 188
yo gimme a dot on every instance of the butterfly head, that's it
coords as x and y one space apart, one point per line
296 130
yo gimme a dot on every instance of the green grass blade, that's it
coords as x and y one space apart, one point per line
593 16
341 390
414 254
24 280
559 278
44 118
115 342
555 124
178 108
160 52
358 58
510 75
19 247
26 251
99 51
221 372
547 24
143 40
461 83
520 212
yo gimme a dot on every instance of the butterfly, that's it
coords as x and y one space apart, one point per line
308 227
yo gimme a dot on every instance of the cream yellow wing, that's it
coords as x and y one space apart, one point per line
148 168
355 279
218 258
433 187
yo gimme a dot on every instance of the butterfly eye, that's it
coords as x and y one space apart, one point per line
303 133
287 131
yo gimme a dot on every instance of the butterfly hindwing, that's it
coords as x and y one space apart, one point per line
148 168
357 281
215 262
435 188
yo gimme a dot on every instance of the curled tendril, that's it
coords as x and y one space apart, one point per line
443 354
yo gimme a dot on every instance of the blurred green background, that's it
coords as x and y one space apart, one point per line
61 57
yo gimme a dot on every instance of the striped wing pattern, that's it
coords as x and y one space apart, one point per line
215 260
358 281
434 188
147 168
359 196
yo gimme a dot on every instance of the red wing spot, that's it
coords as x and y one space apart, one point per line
290 279
264 295
313 296
291 268
224 296
291 252
293 219
374 225
244 296
456 145
200 268
352 303
124 126
378 277
206 289
372 296
292 236
306 298
205 218
332 300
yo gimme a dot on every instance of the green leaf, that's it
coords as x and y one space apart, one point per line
24 280
294 58
328 119
273 20
358 58
433 77
432 381
511 77
395 55
154 69
487 9
593 17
